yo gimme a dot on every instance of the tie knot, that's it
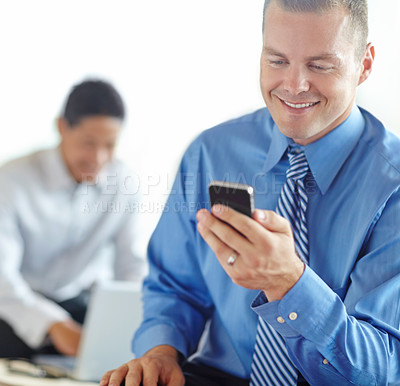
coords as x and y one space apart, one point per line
298 165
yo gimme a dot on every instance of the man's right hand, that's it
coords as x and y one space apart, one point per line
66 336
159 366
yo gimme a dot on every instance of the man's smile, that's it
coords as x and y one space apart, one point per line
299 105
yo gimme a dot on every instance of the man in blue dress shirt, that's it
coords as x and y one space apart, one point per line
339 314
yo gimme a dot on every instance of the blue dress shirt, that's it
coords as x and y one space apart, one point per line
341 320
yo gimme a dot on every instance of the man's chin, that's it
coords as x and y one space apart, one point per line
90 177
294 132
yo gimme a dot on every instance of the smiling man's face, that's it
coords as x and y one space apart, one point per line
88 145
309 71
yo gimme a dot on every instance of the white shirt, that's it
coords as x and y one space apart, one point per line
52 232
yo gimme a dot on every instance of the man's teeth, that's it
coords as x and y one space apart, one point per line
301 105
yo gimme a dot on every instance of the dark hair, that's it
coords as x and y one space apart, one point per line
357 9
91 98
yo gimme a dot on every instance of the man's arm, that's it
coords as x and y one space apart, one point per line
330 341
30 314
176 300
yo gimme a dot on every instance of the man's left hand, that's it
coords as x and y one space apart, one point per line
263 246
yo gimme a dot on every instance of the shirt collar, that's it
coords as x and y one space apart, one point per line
277 148
325 156
58 176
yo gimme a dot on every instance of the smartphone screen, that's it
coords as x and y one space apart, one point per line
239 197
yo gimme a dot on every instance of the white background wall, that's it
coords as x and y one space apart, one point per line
181 66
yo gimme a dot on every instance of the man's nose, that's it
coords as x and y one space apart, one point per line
101 156
296 81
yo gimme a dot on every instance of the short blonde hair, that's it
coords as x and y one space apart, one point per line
357 9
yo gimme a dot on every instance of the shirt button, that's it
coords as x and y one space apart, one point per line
325 362
280 319
292 316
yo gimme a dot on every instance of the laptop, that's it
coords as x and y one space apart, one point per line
114 314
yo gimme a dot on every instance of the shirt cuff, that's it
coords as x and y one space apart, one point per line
157 335
35 332
301 310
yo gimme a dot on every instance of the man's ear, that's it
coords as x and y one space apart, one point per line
366 64
62 126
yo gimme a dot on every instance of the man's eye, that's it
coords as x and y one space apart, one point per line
277 63
318 67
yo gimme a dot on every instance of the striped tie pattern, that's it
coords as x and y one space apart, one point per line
293 200
271 363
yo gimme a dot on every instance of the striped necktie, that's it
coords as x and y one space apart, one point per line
271 363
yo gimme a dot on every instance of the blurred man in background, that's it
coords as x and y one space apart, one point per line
61 210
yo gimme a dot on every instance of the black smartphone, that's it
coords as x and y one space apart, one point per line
239 197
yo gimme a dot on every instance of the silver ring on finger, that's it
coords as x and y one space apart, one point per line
231 259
